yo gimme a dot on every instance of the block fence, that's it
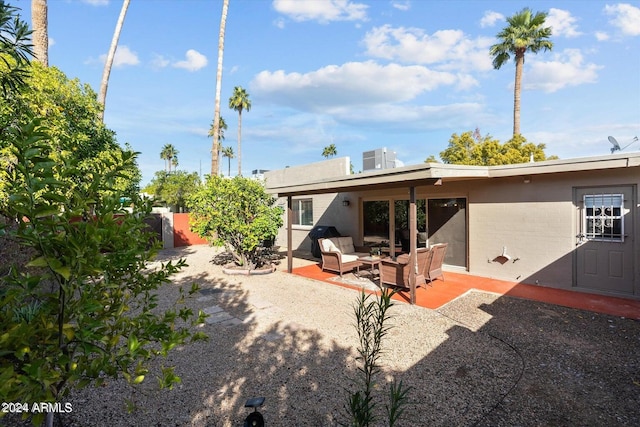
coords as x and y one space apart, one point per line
176 232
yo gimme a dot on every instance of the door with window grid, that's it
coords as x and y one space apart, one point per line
604 254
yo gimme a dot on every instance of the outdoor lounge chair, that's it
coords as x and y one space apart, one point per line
339 254
396 273
434 267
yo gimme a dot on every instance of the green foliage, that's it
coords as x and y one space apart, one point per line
173 189
471 149
525 32
70 113
371 318
84 308
15 49
170 156
238 213
329 151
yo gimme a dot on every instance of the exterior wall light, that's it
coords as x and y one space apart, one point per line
345 202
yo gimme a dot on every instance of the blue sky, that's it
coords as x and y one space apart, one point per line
361 74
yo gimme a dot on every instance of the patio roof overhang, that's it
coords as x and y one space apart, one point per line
427 174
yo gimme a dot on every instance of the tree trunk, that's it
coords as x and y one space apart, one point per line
516 93
215 149
39 23
112 53
240 143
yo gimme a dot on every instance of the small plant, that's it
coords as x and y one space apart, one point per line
371 316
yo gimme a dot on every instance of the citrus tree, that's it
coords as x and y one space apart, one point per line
84 307
237 213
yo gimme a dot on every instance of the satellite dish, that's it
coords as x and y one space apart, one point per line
616 146
614 142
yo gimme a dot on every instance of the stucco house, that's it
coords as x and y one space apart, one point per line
570 224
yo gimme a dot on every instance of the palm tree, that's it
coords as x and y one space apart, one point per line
222 126
170 155
39 23
228 153
329 151
239 101
112 53
215 148
524 33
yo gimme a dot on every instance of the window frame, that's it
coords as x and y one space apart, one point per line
591 220
299 213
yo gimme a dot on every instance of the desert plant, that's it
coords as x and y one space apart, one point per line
371 317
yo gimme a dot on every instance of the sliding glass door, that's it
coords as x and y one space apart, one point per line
447 222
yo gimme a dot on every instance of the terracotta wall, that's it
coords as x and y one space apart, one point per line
182 235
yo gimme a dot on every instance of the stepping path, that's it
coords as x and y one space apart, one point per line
217 315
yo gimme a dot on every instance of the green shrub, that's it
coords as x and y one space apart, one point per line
84 308
237 213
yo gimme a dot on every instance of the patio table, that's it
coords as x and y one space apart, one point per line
373 262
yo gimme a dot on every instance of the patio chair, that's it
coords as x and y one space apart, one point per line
333 258
396 273
434 267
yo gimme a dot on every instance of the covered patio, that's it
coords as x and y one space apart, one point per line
441 292
386 179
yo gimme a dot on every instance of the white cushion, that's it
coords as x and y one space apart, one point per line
329 246
348 258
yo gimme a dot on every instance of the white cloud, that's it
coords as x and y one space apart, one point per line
353 84
562 23
601 36
51 42
401 5
626 17
449 49
159 61
194 61
124 56
490 18
96 2
567 69
323 11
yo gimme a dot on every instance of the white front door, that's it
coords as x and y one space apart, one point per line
604 258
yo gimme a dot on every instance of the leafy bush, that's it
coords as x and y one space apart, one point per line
237 213
85 306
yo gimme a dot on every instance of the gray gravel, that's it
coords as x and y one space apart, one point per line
482 360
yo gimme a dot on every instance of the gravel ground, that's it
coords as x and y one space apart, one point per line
482 360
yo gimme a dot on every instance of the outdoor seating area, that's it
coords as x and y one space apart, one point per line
340 255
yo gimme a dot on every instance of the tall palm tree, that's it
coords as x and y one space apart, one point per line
112 53
228 153
239 101
39 23
222 126
329 151
170 155
215 148
525 33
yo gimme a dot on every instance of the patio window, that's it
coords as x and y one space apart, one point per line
603 214
302 211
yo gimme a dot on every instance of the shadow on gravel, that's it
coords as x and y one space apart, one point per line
563 367
495 361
